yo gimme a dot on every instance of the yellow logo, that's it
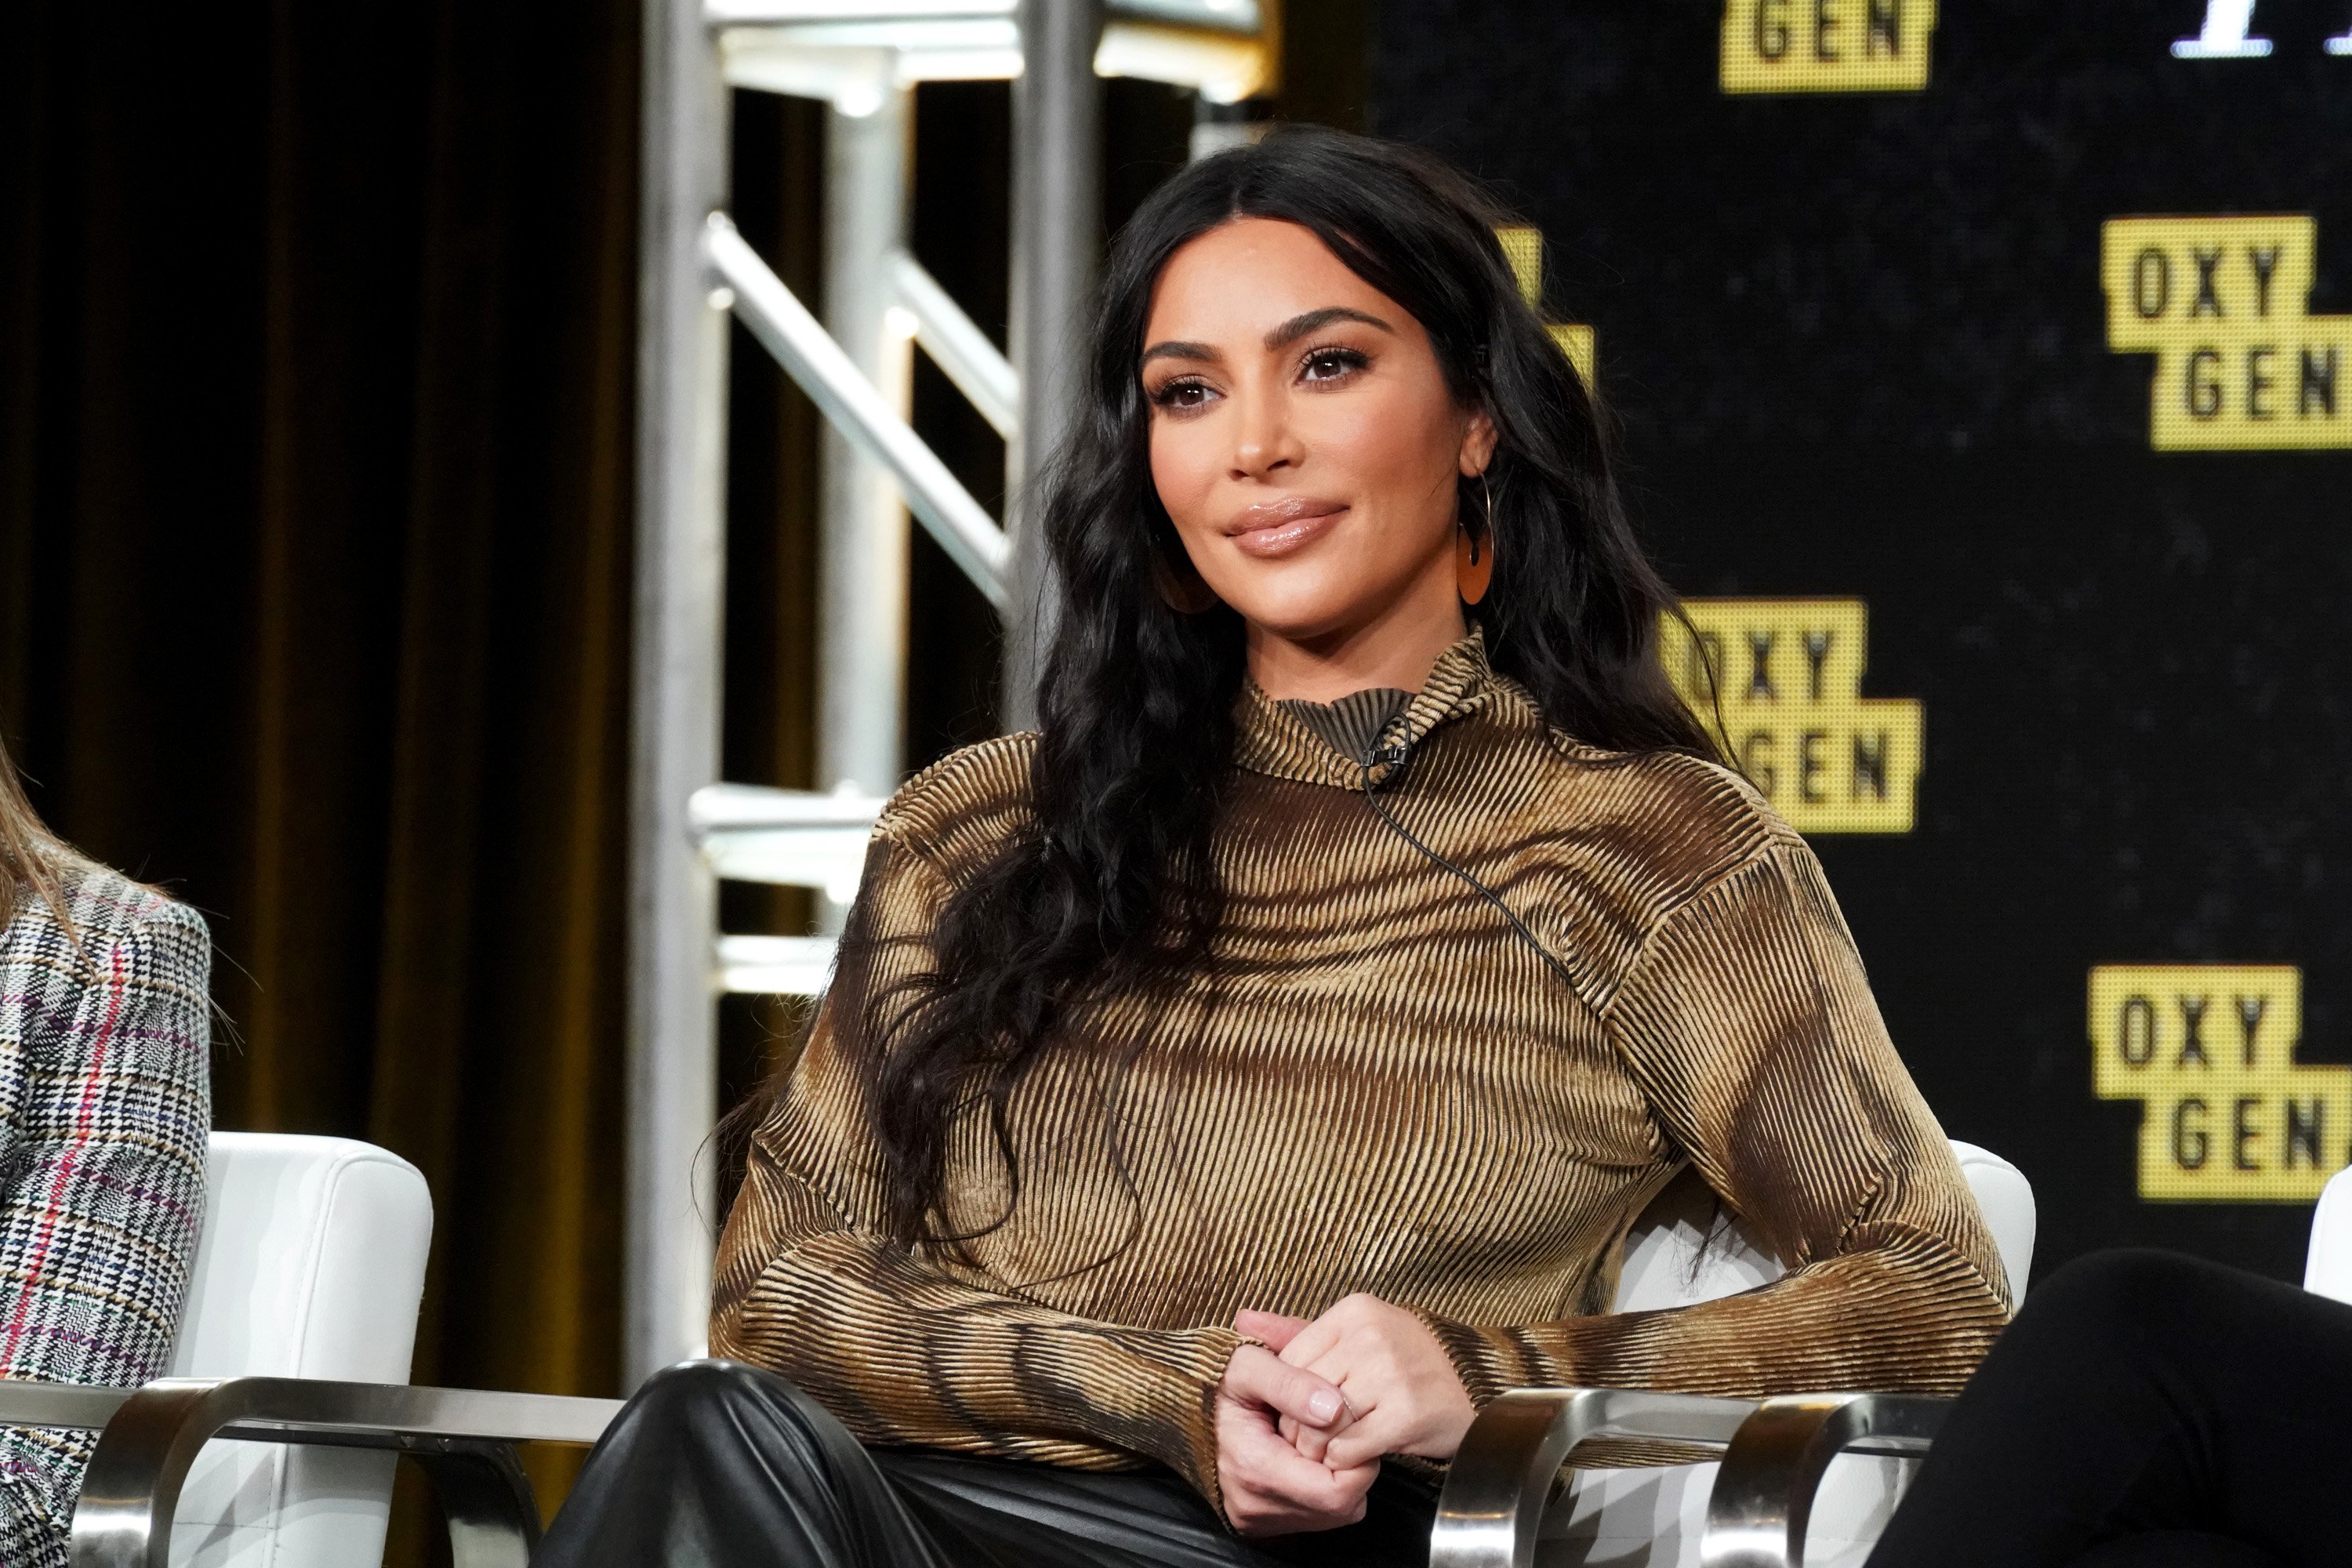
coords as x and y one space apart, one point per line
1826 45
2241 362
1523 248
2209 1049
1790 675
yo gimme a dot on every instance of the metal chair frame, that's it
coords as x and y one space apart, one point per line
463 1438
1490 1512
1763 1496
1500 1483
1775 1452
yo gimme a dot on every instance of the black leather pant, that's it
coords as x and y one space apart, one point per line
716 1463
2145 1409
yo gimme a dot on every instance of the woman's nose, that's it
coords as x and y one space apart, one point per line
1264 441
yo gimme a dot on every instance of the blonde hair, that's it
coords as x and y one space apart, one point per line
31 856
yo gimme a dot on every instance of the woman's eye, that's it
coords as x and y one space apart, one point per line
1332 364
1182 395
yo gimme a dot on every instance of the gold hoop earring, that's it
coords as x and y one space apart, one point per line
1473 553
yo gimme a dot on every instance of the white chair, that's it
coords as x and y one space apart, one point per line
2327 1267
271 1446
1656 1516
312 1266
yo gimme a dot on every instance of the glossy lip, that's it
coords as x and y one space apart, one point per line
1279 527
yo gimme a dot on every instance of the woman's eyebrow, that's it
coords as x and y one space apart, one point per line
1297 327
1175 349
1290 332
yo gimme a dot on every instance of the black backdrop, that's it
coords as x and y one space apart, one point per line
1858 346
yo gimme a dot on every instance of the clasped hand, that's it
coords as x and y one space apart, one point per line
1302 1423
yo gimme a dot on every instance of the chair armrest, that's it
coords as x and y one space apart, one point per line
299 1410
1500 1480
1763 1496
24 1402
149 1436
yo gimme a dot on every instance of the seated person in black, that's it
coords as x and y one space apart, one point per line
2145 1410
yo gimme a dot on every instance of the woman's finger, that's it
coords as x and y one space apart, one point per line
1311 1442
1255 1376
1271 1490
1316 1444
1365 1442
1315 1496
1312 1344
1274 1328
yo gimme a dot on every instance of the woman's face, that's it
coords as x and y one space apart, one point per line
1303 437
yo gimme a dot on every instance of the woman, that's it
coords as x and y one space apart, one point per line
104 1107
1239 1080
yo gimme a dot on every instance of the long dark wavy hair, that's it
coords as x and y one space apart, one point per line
1112 886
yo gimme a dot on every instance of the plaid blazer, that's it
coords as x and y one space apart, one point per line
105 1101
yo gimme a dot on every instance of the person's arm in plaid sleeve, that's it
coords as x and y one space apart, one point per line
103 1198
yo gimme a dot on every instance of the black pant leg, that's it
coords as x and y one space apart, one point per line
2141 1394
2175 1549
715 1465
1394 1533
1041 1516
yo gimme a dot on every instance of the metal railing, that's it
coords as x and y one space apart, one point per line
985 376
786 838
847 398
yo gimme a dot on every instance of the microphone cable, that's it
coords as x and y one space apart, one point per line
1396 756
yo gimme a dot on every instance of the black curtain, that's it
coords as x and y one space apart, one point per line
316 340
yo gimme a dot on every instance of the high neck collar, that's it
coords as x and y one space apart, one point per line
1275 743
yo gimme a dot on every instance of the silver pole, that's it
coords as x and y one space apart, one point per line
958 346
849 402
674 735
862 578
1056 225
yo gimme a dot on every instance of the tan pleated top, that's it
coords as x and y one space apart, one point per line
1374 1084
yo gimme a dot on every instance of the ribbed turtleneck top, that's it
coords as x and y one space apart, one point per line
1373 1083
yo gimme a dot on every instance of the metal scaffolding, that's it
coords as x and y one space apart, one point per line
864 57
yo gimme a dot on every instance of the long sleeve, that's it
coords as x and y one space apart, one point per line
900 1348
1747 1022
104 1162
